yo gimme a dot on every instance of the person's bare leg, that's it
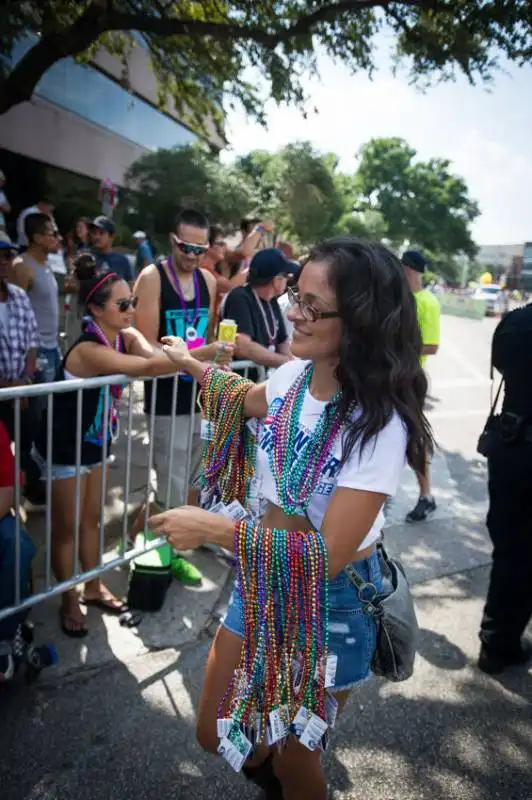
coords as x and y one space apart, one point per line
90 541
424 481
426 504
63 513
299 769
223 659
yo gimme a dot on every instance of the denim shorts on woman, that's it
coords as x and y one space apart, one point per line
60 472
352 634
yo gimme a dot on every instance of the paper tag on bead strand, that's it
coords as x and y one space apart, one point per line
330 670
331 709
223 726
253 426
235 511
313 732
324 742
207 430
235 748
278 727
297 674
206 498
300 721
255 487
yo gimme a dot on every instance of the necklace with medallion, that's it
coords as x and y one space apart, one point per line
190 314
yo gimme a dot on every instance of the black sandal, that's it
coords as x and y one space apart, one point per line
73 633
264 777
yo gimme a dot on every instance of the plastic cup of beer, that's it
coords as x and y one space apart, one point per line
227 331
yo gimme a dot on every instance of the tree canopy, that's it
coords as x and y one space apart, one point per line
420 201
201 50
162 182
393 196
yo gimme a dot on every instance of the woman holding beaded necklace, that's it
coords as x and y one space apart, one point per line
340 422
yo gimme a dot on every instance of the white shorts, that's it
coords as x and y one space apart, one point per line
183 475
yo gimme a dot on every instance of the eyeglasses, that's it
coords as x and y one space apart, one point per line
219 244
308 311
191 249
127 303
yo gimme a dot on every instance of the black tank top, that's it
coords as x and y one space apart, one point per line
174 321
65 416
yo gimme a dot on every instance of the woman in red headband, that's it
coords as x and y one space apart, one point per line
108 345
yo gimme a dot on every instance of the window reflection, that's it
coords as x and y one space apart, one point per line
96 98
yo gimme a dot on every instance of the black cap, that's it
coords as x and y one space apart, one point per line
415 260
271 262
105 223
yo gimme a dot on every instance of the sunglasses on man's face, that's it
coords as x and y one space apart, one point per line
126 303
191 249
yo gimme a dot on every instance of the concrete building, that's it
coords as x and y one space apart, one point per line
81 120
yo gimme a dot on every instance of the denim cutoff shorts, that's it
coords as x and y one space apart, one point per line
352 633
61 472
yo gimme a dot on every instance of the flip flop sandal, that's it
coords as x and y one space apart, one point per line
130 619
102 605
74 633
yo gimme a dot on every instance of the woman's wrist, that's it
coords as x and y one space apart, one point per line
222 532
195 367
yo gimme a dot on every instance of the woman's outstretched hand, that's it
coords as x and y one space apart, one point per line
177 351
189 527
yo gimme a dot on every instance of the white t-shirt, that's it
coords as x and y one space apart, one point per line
377 470
285 306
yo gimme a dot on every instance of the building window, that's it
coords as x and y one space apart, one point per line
90 94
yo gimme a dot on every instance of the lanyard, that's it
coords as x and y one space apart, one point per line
177 286
271 334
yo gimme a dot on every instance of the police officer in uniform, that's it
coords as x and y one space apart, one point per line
508 606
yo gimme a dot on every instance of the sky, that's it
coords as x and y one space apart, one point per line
485 133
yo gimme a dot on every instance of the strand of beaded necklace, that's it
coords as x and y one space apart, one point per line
228 457
261 685
116 389
244 698
295 480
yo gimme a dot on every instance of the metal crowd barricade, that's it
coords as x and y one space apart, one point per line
16 394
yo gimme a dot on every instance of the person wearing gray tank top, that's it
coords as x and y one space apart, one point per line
35 276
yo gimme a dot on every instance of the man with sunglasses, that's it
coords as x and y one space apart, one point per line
178 298
255 309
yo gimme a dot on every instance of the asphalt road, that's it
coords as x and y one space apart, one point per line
125 731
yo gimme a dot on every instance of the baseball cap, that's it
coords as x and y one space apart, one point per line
6 244
271 262
105 224
139 235
415 260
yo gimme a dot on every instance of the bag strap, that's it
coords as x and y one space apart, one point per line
496 401
372 604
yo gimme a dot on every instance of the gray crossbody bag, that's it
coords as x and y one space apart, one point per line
395 616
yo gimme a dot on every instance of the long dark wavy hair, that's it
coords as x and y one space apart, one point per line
379 370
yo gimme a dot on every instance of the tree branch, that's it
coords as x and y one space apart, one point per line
99 18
